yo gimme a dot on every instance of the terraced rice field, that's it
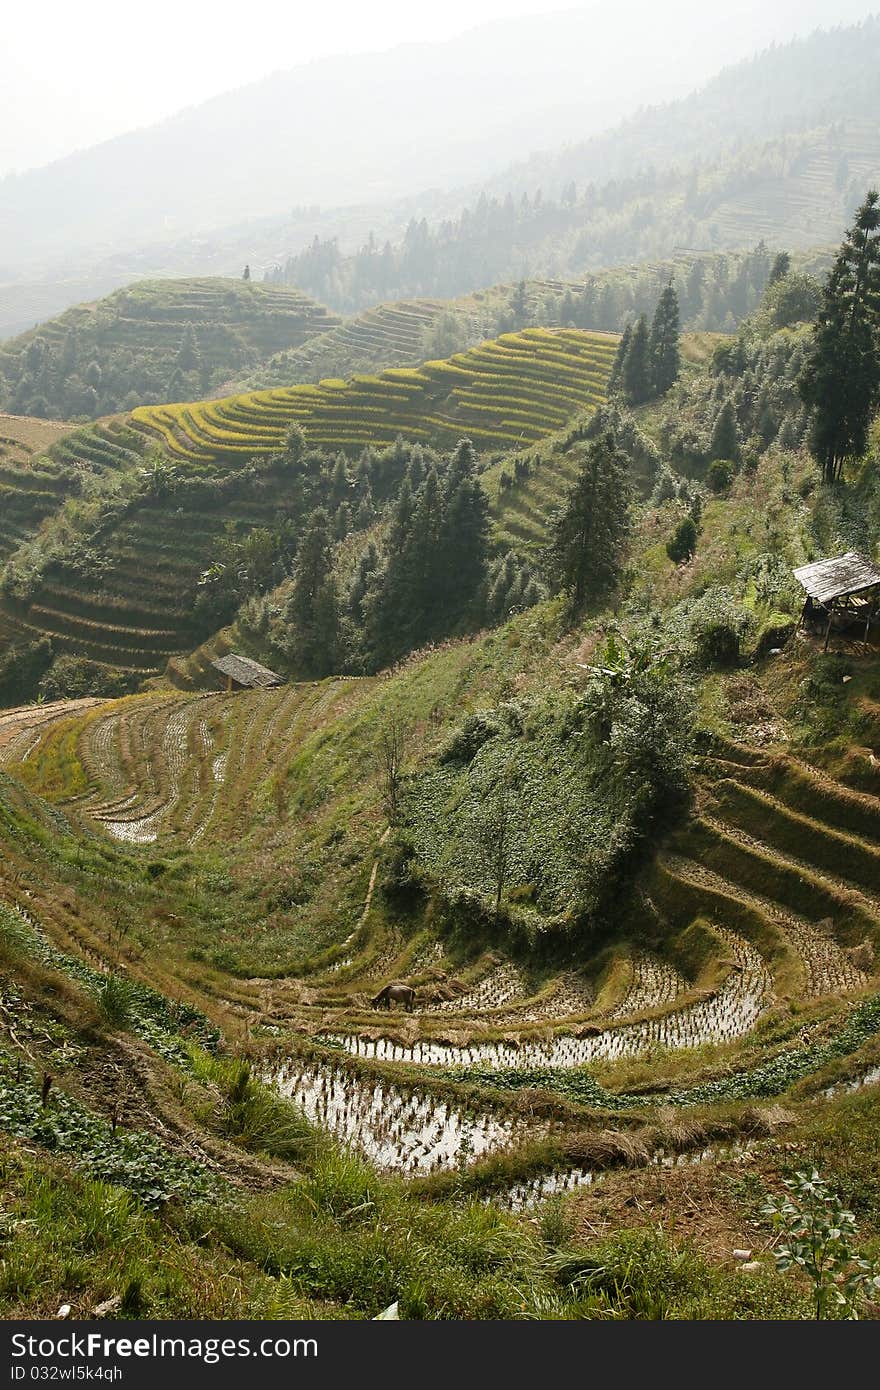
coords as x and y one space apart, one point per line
776 870
138 613
22 436
405 1129
387 335
504 394
174 766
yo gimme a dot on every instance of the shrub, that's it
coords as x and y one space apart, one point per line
717 624
720 475
819 1236
683 543
464 743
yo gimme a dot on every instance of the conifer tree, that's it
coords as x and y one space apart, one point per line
589 535
188 355
464 534
663 344
364 578
312 611
725 434
635 375
841 378
615 377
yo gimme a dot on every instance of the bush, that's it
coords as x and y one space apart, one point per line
464 743
720 475
72 677
683 543
717 625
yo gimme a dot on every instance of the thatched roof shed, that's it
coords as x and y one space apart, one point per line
242 673
825 580
842 592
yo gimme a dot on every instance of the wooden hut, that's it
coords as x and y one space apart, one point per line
841 595
241 673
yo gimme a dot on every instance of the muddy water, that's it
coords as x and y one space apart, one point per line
524 1195
410 1131
727 1014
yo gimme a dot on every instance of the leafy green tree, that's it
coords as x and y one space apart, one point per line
841 378
312 611
789 300
663 343
780 267
589 535
819 1238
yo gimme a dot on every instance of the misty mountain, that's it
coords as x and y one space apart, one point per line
374 127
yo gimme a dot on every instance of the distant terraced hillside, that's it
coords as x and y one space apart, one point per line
404 334
149 341
503 394
389 335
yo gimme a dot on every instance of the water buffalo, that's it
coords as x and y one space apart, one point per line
395 994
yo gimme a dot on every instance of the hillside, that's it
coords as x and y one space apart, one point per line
460 109
80 583
797 191
505 393
151 342
688 982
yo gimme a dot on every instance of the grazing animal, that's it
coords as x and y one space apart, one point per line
395 994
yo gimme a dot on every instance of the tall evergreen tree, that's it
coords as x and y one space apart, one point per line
312 611
464 534
188 355
635 375
364 578
615 376
663 344
841 378
724 443
589 535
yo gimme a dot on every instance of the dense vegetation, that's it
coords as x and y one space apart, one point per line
581 785
154 341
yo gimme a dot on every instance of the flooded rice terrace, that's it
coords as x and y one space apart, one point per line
728 1013
410 1131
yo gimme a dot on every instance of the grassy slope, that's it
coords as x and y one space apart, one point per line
237 325
504 394
219 918
501 394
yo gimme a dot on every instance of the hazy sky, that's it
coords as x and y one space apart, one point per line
76 74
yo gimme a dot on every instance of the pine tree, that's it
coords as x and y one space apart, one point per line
615 377
464 534
312 611
841 378
635 375
589 536
366 510
339 481
725 434
364 578
663 343
188 355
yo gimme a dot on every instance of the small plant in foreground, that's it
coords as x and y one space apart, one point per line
819 1234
